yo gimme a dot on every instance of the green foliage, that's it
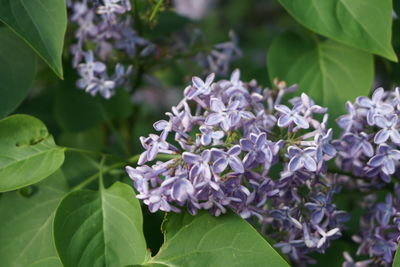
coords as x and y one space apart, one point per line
41 23
28 153
26 235
100 228
329 72
205 240
361 24
396 261
17 71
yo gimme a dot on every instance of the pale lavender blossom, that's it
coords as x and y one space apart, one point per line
289 116
200 87
223 159
386 158
302 159
389 129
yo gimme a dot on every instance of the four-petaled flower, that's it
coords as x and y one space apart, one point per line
200 87
291 115
223 159
226 117
302 158
208 135
389 129
257 148
325 235
386 158
153 145
374 105
199 164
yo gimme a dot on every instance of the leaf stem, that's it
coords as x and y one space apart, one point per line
101 181
90 152
155 10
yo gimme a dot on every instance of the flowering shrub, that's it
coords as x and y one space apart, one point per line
161 115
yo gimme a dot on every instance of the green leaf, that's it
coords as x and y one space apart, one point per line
41 23
366 25
205 240
396 260
26 237
28 153
329 72
101 228
47 262
17 71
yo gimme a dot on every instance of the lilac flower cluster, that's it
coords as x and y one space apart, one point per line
379 229
233 145
103 26
370 141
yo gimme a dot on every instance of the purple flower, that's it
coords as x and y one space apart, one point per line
90 67
101 85
347 121
385 210
318 207
374 105
324 146
384 248
289 116
200 87
359 143
153 145
308 105
199 164
290 247
208 135
182 189
385 158
389 129
302 158
257 148
223 159
351 263
226 117
325 236
110 8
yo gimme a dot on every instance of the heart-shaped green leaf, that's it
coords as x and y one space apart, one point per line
28 153
329 72
26 225
101 228
366 25
205 240
41 23
17 71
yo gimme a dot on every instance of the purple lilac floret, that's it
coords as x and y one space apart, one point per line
379 229
226 150
104 28
370 140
